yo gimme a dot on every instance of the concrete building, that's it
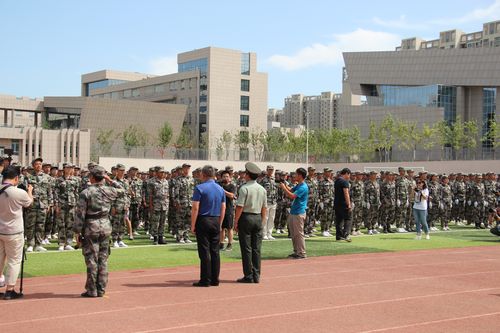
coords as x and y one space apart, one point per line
221 88
322 110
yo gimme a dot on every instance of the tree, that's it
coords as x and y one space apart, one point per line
470 136
164 138
105 141
491 137
256 141
184 140
225 140
143 140
130 138
242 139
428 138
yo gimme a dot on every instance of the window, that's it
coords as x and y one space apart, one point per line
127 93
136 93
245 63
245 85
160 88
203 98
15 147
245 103
244 120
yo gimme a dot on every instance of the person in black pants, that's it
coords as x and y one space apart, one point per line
207 213
343 208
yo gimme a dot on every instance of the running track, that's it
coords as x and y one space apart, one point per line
451 290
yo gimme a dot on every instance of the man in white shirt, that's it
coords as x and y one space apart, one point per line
12 201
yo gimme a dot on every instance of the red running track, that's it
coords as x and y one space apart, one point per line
451 290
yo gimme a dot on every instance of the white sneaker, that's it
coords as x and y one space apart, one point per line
61 248
115 245
427 236
29 249
401 230
69 248
136 233
182 241
48 237
45 242
40 249
324 234
270 237
188 241
419 237
370 232
375 231
122 244
265 238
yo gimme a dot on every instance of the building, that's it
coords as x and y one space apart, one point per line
322 110
427 83
221 88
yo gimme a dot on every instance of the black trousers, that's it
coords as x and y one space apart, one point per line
250 238
207 238
343 222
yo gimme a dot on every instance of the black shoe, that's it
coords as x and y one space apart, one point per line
161 241
297 256
244 280
86 294
292 256
214 284
229 247
100 294
390 231
11 294
200 284
348 239
340 239
221 246
256 280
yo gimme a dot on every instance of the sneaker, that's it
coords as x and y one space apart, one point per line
131 237
401 230
45 241
419 237
427 236
48 237
265 238
306 235
221 246
271 237
61 248
115 245
40 249
226 239
136 233
229 247
182 241
324 234
151 237
122 244
370 232
69 248
375 231
29 249
187 241
11 294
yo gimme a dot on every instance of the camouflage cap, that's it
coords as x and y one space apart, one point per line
327 170
134 168
373 172
91 165
38 159
159 168
401 168
68 165
46 164
229 168
186 165
311 168
270 167
98 171
120 166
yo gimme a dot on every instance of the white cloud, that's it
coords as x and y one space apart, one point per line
163 65
331 54
490 13
400 23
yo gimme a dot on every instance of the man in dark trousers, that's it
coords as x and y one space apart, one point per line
250 217
207 213
343 208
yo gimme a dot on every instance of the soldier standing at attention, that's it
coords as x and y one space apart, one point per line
434 200
402 201
66 197
372 199
477 198
446 202
120 208
311 217
92 223
145 199
269 184
36 215
388 199
135 200
249 219
459 190
158 205
50 220
183 204
358 200
325 193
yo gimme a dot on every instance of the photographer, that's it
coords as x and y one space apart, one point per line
420 209
494 216
12 201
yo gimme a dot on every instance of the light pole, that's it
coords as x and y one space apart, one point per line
307 140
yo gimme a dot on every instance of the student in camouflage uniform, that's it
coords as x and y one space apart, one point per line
135 192
446 203
459 191
92 222
269 184
358 200
477 199
158 205
325 209
183 204
120 208
434 199
372 199
412 185
402 201
283 204
49 228
145 199
490 199
172 212
66 197
311 217
36 215
388 200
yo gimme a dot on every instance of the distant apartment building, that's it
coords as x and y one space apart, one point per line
322 110
221 88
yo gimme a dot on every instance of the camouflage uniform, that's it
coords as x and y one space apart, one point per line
434 199
388 199
358 198
172 213
269 184
469 209
459 191
477 198
36 215
135 192
145 200
325 211
410 221
183 199
159 202
312 201
66 196
119 210
402 203
50 227
446 204
490 199
282 209
92 221
372 199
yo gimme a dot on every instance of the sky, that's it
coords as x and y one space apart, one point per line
45 46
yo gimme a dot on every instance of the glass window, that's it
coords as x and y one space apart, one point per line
203 98
244 120
489 111
136 92
160 88
203 109
245 85
245 63
149 91
199 64
127 93
245 103
102 84
183 84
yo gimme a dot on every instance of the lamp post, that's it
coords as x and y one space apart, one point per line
307 139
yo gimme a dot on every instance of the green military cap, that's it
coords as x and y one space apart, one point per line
401 169
373 172
68 165
152 169
36 160
278 170
134 168
159 169
311 168
241 171
186 165
327 170
197 170
229 168
91 165
270 167
120 166
46 164
76 167
357 172
410 170
252 168
98 171
443 176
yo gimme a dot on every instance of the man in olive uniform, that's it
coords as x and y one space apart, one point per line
250 215
66 197
183 204
36 215
490 198
120 208
92 223
446 203
135 192
269 184
325 194
172 212
158 204
402 201
358 199
145 199
311 217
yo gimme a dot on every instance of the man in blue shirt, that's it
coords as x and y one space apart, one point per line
299 194
207 213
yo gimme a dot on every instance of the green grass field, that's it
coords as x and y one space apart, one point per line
139 255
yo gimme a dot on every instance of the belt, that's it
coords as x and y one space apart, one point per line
96 216
245 213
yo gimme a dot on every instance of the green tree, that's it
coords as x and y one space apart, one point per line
226 141
131 138
105 140
164 137
428 138
256 141
242 139
185 138
470 137
491 136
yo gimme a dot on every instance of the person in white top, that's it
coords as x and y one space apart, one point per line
12 201
420 209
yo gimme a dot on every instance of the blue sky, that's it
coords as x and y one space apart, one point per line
46 45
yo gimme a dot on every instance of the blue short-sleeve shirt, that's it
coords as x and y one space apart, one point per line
299 204
210 195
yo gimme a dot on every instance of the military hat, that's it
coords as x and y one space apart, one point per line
241 171
270 167
410 170
98 171
186 165
159 169
120 166
401 169
134 168
373 172
357 172
197 170
432 174
91 165
67 165
327 170
229 168
252 168
152 169
311 168
46 164
36 160
76 167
